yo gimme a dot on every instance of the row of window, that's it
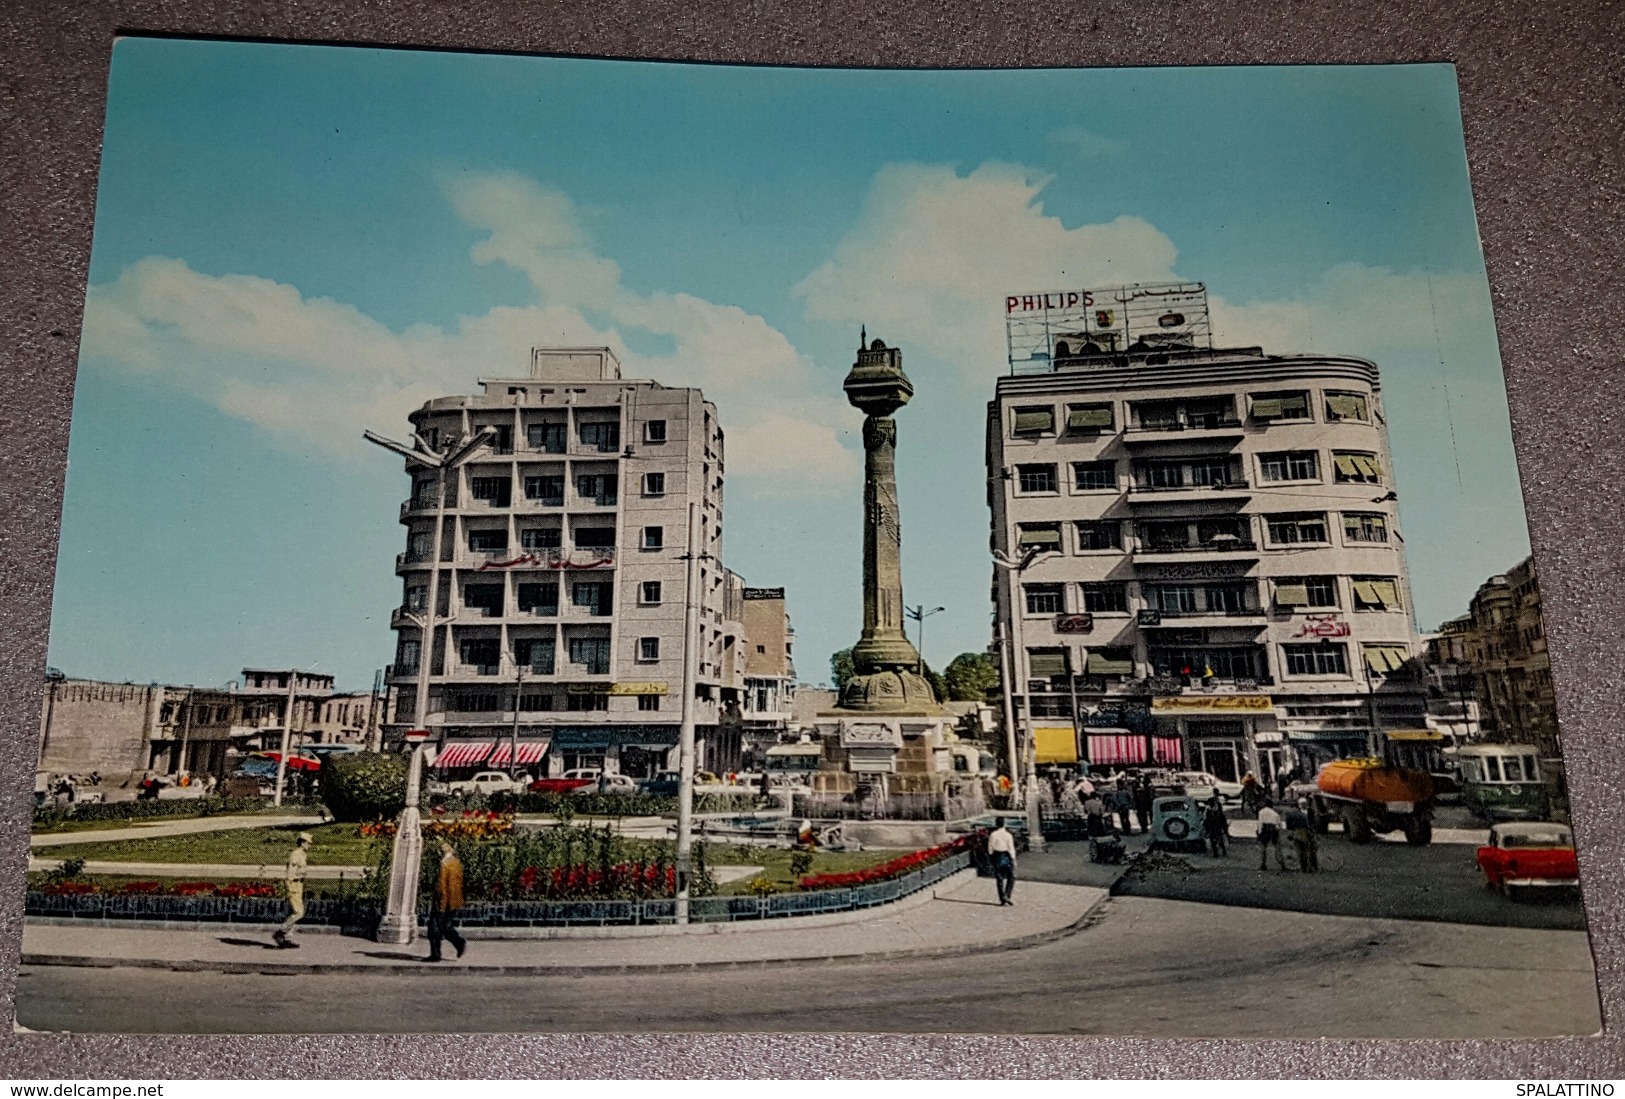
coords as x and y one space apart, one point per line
1290 593
1348 467
547 489
1189 413
581 701
537 656
495 540
1224 662
1219 532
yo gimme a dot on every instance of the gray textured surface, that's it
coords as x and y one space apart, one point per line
1544 104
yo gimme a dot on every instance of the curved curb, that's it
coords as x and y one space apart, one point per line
1090 916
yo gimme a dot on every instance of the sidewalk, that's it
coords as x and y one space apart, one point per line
961 920
169 828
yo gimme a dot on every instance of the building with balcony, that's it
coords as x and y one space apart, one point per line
562 573
1205 562
770 672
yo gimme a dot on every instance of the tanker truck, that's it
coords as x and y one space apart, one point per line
1370 796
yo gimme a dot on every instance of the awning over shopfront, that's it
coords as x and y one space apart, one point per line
463 753
1046 665
1125 748
530 751
1055 745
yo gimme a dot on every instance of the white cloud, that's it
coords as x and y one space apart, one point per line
314 371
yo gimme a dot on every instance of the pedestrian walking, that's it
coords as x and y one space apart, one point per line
298 860
1122 803
1142 803
448 900
1283 779
1251 795
1216 828
1301 830
1001 848
1269 835
764 787
1094 812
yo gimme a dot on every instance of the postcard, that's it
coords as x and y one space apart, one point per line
989 552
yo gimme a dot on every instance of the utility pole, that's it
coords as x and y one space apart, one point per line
400 922
920 614
287 735
685 738
186 728
1012 567
1008 684
513 743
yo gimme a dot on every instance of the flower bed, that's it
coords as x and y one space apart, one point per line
903 864
471 824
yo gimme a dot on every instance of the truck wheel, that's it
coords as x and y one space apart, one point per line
1418 831
1356 827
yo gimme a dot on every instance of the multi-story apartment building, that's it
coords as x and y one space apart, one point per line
1453 708
1204 560
562 571
770 671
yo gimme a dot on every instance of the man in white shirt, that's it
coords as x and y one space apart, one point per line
1001 849
1269 835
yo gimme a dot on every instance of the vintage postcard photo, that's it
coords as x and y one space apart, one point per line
573 545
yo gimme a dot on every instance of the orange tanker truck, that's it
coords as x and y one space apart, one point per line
1369 796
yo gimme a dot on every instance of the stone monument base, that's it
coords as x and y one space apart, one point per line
889 767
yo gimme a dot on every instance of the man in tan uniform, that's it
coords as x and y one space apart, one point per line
298 859
448 898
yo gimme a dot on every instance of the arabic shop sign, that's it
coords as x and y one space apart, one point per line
639 688
1214 704
1322 625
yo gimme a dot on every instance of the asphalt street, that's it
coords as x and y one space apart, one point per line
1146 967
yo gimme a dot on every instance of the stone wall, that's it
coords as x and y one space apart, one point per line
87 726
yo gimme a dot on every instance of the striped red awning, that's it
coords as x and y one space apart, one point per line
1129 748
530 751
463 753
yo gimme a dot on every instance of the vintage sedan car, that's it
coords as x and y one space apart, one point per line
1526 855
1176 824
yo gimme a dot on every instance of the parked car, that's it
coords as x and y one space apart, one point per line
1176 823
567 783
1529 855
1202 785
486 782
662 784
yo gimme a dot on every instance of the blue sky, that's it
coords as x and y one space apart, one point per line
293 243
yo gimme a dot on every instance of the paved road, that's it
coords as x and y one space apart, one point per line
1148 967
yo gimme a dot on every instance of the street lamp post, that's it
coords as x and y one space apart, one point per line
400 922
685 738
920 614
513 740
1012 567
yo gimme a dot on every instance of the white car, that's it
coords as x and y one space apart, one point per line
599 782
1202 785
488 782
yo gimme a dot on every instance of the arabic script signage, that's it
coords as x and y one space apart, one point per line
1323 625
1214 703
1074 623
639 689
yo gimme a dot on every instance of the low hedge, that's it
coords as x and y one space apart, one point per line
567 806
49 815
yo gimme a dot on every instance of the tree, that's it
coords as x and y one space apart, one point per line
840 668
363 786
970 677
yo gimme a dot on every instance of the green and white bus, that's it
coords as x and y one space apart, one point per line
1503 781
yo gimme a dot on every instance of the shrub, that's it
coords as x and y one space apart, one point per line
801 864
364 786
47 817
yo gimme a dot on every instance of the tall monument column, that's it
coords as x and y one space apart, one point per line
887 679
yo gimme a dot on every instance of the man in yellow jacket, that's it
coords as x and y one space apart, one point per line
448 898
298 860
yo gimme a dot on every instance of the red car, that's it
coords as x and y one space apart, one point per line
1529 855
562 785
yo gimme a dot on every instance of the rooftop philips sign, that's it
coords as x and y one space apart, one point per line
1049 300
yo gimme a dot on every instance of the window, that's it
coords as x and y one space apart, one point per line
604 435
1233 662
406 659
1171 535
476 702
546 489
1358 469
1192 413
1375 593
484 653
654 431
592 652
649 593
488 541
536 702
485 598
1034 421
1105 598
1036 478
1348 406
417 597
540 538
647 703
496 491
1089 418
1306 591
648 648
548 438
1323 658
654 538
597 487
1208 472
1047 663
502 439
1289 465
539 599
1281 406
1095 476
1112 660
1173 598
1362 527
1038 536
1297 526
586 701
535 655
595 537
419 546
1043 598
654 484
594 595
1102 534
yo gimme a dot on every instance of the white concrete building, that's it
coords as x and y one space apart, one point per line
1213 570
562 577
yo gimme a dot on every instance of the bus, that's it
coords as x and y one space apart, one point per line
1503 781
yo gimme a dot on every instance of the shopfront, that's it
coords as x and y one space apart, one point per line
1222 733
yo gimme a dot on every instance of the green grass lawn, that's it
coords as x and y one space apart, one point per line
334 845
62 827
775 863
